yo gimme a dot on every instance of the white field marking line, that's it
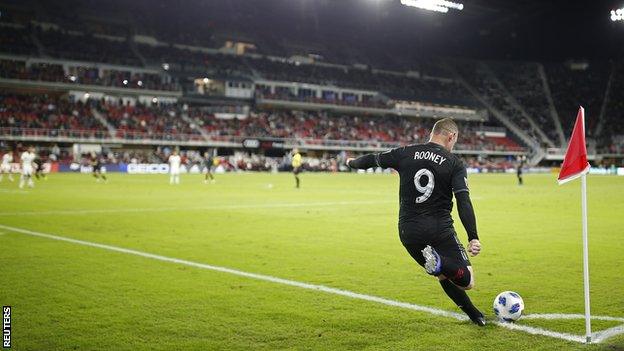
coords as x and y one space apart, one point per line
541 331
570 316
192 208
607 333
17 191
434 311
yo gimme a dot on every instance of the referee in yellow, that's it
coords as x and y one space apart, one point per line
296 164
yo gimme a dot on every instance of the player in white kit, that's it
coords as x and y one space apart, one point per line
174 168
27 159
5 166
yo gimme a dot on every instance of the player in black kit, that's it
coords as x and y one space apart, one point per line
429 176
39 168
96 163
521 160
207 163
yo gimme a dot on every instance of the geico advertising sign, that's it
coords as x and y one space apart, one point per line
148 168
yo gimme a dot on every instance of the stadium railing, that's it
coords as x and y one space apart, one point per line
130 137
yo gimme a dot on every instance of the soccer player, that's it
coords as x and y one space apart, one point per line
429 176
174 167
27 159
296 165
207 163
5 166
521 160
38 162
96 164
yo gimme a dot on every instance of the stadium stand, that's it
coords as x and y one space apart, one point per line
47 115
187 60
87 47
487 85
578 85
17 40
523 82
82 45
51 72
147 122
26 113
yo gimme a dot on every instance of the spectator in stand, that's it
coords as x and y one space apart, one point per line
165 122
46 112
16 69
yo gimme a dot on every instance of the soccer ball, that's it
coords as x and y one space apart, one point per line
508 306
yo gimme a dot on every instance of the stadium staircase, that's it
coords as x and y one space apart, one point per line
255 74
136 52
111 130
551 105
40 48
605 102
537 154
514 103
193 124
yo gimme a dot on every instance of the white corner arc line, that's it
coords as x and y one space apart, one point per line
541 331
601 336
570 316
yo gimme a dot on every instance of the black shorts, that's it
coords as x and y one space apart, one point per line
445 242
97 168
297 170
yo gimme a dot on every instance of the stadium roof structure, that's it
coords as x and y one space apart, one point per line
362 31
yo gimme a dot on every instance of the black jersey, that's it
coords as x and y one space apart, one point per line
519 169
38 164
208 161
96 163
429 176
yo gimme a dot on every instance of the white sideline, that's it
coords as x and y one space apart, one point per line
192 208
599 336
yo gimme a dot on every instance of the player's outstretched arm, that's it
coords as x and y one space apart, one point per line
364 162
467 216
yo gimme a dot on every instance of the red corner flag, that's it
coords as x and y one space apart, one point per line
575 165
575 162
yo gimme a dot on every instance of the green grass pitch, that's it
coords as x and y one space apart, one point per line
338 230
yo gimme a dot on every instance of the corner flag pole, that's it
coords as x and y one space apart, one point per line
575 165
585 258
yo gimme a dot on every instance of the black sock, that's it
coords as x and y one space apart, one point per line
456 271
103 177
297 179
458 296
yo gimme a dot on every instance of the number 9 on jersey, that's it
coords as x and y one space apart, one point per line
427 189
